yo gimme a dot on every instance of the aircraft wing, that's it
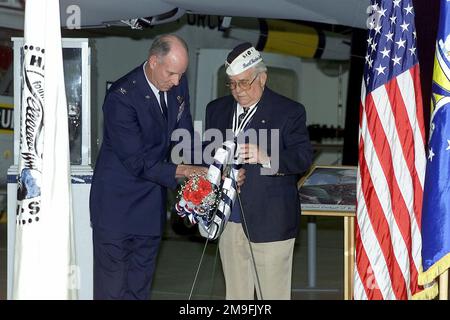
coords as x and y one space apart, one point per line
110 12
97 13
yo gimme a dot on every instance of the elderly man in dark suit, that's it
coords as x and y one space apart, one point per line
266 228
133 169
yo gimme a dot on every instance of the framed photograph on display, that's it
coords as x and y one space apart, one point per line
329 188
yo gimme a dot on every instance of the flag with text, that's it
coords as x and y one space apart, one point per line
44 265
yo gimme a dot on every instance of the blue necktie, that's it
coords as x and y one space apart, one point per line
162 101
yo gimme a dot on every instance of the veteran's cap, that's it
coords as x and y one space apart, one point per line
241 58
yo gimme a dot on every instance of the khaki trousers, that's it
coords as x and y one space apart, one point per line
273 264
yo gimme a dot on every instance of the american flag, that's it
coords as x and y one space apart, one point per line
391 158
436 213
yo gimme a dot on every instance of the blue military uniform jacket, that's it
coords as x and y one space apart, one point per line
270 202
128 192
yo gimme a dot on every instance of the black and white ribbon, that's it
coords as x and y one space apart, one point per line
226 164
239 127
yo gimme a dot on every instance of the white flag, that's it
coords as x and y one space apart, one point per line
44 265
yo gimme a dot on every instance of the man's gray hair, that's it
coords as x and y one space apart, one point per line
161 45
260 67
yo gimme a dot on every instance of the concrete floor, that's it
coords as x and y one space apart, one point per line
180 255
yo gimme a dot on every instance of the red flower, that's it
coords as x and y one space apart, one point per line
196 198
204 187
196 189
187 194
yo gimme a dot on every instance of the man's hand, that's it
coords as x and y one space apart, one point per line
250 153
241 177
184 170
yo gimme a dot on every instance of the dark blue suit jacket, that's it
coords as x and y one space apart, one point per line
128 192
270 202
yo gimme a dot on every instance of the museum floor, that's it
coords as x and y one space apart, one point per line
180 255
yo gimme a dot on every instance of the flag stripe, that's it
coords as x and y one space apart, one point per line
410 228
367 238
368 277
394 168
393 164
378 205
375 221
419 133
408 84
359 287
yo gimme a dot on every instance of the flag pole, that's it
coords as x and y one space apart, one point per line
443 286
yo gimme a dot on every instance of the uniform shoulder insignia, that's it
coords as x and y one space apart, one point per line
122 90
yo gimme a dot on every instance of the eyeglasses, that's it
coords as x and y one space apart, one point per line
244 84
